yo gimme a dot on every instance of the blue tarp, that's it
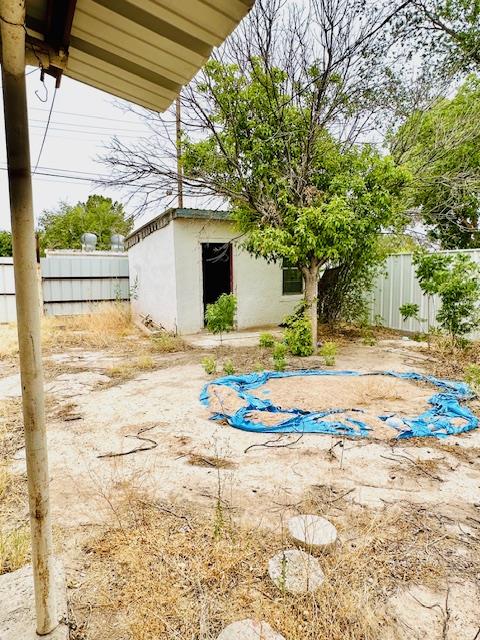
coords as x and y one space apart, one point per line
436 421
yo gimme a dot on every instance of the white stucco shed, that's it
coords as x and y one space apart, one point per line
185 258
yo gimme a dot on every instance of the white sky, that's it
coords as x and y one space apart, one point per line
83 121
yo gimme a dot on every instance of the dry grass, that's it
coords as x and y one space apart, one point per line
167 343
105 327
128 370
11 428
8 341
162 573
14 549
216 462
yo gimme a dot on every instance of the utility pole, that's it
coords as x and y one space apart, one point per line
12 25
179 152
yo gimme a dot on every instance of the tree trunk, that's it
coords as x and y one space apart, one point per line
310 275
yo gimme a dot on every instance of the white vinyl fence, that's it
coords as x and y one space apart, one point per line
397 285
71 282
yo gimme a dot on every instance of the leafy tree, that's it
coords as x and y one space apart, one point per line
441 145
5 244
63 227
449 29
347 195
456 280
281 109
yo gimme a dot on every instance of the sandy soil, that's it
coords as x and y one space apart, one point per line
263 483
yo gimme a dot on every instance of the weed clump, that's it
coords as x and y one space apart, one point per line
210 365
266 340
329 351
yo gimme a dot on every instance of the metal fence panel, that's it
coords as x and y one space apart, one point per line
72 283
398 285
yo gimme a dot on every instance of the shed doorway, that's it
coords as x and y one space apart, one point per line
217 271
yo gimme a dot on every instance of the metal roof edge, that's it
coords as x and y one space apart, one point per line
162 220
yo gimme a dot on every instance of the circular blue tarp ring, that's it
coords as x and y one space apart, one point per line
441 420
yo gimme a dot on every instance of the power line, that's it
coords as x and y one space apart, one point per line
46 131
88 115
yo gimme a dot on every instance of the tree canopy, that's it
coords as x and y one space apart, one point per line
441 145
5 244
295 192
63 227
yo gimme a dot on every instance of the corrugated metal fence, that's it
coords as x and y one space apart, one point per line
398 285
71 282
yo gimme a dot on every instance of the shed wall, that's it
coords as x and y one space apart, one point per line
257 284
153 279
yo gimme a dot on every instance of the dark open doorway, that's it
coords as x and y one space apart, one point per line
217 270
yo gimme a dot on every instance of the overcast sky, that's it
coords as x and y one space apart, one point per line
83 120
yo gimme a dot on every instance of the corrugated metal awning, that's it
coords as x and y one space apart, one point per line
140 50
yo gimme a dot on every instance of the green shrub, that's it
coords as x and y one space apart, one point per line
329 351
228 368
279 353
472 376
266 340
456 280
220 315
210 365
279 350
298 335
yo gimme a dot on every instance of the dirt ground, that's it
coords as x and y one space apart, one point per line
98 409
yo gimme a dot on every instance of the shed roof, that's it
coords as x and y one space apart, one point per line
167 216
140 50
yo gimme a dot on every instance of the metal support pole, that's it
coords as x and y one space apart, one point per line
12 19
179 152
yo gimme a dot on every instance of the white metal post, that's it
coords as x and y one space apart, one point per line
12 20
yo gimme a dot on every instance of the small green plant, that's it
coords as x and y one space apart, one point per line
266 340
279 353
258 367
298 335
228 368
329 351
472 376
220 315
378 320
210 365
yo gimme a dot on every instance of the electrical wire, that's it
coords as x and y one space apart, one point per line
46 131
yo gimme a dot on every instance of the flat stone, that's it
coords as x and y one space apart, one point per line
295 571
68 385
10 387
312 531
17 605
249 630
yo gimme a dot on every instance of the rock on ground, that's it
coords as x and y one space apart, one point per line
295 571
312 531
249 630
68 385
10 387
17 605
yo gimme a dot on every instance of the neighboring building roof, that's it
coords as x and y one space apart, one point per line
140 50
167 216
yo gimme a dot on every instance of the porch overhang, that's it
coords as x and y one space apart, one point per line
141 50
